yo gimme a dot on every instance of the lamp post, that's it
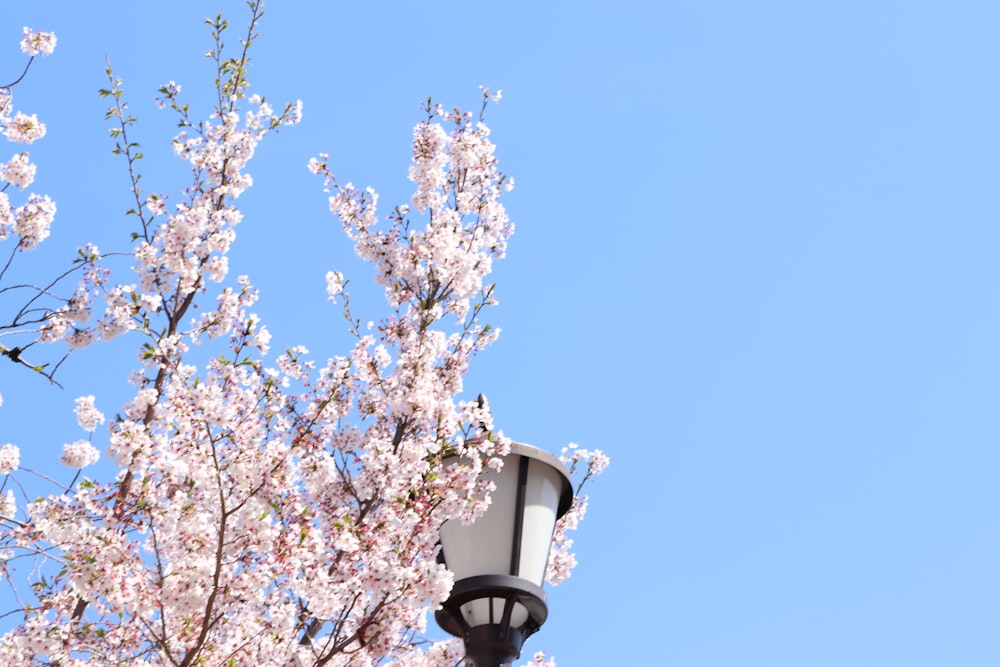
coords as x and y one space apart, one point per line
499 560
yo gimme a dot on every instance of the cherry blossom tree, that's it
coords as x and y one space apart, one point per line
269 509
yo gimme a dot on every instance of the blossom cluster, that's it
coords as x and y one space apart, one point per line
10 458
79 454
37 43
587 463
88 416
31 220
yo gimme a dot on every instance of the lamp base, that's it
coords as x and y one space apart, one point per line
496 642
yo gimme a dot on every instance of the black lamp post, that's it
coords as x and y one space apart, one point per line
499 560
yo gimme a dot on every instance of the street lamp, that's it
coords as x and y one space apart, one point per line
499 560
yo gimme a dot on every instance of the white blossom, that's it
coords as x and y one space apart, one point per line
10 459
38 43
87 416
79 454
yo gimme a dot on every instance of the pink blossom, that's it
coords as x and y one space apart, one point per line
170 91
10 459
156 205
261 337
33 219
24 129
38 43
78 339
334 284
538 659
87 416
294 113
7 216
317 165
9 507
79 454
18 171
493 97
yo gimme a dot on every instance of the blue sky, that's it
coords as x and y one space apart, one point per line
755 262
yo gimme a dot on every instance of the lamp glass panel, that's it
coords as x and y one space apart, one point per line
483 547
541 502
477 612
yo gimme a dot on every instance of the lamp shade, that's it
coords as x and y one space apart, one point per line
499 560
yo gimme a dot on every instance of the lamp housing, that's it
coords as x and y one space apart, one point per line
499 560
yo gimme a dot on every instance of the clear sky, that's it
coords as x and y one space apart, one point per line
755 262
